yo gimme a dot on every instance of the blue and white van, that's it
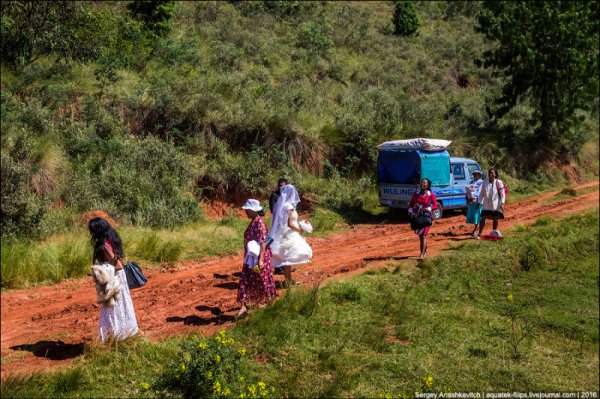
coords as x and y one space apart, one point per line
399 172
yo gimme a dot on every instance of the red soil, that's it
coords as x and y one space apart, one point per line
85 218
46 326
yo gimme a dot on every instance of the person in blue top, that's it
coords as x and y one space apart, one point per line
473 206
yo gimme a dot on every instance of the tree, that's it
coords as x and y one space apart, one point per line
155 14
406 21
548 53
30 29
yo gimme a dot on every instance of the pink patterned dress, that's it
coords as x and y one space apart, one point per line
257 287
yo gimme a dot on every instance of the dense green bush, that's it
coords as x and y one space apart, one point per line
22 210
155 14
343 194
406 20
147 182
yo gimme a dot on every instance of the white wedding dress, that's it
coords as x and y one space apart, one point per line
291 248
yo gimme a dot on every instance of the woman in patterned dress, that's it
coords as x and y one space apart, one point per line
116 321
423 201
256 283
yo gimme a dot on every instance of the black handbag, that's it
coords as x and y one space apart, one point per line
135 276
421 221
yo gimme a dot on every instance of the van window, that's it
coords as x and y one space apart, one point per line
459 172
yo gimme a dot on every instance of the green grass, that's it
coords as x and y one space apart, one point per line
386 330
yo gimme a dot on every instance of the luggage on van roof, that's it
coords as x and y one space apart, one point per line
416 144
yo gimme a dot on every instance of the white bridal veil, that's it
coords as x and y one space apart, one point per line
289 195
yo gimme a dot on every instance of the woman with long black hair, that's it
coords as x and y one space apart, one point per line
117 320
421 205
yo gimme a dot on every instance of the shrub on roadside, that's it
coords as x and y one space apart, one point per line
210 368
343 194
147 182
22 211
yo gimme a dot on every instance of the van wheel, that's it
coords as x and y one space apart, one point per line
437 213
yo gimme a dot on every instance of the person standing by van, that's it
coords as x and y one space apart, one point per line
492 199
474 207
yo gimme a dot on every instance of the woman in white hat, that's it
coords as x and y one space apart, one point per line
256 282
474 207
288 247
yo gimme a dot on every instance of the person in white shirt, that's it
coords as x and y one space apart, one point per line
492 199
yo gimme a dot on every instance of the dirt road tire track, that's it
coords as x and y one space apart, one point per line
202 295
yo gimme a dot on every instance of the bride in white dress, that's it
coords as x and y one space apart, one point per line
288 247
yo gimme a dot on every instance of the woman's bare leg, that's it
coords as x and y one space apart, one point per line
481 224
422 245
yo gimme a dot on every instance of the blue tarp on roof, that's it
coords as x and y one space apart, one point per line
408 167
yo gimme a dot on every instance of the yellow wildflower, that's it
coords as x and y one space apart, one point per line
428 381
182 367
217 358
226 392
252 390
273 389
145 386
221 332
243 395
262 386
241 352
202 346
208 375
217 388
241 378
385 395
509 297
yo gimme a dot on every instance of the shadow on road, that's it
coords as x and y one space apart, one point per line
195 320
53 350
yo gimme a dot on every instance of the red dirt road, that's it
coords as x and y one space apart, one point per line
47 326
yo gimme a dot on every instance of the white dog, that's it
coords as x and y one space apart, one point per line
108 287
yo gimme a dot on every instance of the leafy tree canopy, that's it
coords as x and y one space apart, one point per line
548 51
30 29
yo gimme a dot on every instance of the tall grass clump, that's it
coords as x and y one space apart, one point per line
26 263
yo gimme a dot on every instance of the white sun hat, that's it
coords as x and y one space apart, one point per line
253 205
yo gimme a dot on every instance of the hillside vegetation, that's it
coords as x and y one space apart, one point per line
142 117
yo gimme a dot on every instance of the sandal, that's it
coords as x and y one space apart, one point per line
241 315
